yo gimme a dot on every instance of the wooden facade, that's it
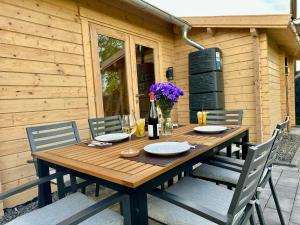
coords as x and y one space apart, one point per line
49 71
253 67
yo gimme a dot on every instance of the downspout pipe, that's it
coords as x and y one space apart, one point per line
184 25
185 32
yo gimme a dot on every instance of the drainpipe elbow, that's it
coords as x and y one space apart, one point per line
185 31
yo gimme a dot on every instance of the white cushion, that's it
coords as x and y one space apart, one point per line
234 148
63 209
229 160
199 192
67 179
217 173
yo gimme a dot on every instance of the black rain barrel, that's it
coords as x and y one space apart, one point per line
206 85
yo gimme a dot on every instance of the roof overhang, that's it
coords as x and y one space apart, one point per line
280 28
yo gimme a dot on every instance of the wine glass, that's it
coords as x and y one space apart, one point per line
128 124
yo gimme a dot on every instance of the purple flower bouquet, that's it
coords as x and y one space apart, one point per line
166 95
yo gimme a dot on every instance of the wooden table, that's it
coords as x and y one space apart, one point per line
107 168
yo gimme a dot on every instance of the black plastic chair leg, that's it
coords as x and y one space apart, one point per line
260 213
252 220
83 190
276 201
237 154
61 187
73 183
229 151
97 191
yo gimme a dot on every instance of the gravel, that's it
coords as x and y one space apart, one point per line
11 213
288 148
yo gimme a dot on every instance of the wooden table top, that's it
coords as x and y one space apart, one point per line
107 163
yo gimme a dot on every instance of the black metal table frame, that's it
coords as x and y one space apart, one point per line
138 196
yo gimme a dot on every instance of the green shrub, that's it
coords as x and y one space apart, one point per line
298 120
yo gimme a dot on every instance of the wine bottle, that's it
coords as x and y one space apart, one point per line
153 132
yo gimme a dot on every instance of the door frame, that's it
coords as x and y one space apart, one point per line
95 30
150 44
130 40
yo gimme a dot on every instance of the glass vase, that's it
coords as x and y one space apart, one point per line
166 124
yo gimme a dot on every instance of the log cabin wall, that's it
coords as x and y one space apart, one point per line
253 69
238 70
46 73
274 85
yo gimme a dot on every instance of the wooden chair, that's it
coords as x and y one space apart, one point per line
73 209
109 124
196 201
226 117
227 171
53 136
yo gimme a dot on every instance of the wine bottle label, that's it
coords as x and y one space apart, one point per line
150 130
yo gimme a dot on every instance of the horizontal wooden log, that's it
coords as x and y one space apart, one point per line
28 40
24 27
18 52
23 92
28 66
25 105
34 79
38 17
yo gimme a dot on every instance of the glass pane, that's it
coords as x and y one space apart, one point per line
113 75
145 76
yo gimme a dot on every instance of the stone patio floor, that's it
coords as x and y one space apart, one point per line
288 192
287 184
287 180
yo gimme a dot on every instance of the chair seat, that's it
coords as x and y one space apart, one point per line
67 179
234 148
229 160
216 173
199 192
63 209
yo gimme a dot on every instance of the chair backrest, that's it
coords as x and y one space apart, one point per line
52 136
224 117
281 127
284 125
251 174
104 125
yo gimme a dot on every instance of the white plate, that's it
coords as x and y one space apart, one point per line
167 148
210 129
113 137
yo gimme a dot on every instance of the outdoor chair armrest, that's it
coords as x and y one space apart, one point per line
199 210
30 161
98 207
28 185
247 144
226 160
224 165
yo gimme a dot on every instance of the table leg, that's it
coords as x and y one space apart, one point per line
244 147
44 190
138 208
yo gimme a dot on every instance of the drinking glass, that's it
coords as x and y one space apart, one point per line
202 118
140 128
128 124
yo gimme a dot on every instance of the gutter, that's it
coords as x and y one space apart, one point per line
184 25
295 25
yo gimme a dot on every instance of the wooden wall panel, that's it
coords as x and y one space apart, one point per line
42 81
46 73
238 71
